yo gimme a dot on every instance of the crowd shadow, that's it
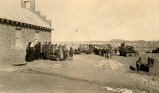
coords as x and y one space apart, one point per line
21 64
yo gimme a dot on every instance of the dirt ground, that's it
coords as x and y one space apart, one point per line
83 74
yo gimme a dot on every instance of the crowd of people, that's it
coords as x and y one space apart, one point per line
100 50
55 52
103 51
47 51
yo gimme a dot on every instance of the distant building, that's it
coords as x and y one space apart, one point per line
20 23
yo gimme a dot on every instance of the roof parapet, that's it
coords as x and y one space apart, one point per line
32 9
43 17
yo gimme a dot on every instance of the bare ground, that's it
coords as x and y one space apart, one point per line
103 75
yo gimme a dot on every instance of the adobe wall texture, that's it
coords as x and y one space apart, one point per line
9 52
44 36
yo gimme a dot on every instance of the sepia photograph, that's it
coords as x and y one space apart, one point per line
79 46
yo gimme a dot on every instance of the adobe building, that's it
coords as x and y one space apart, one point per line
20 23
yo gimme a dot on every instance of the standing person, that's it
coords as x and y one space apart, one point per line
27 57
100 51
41 51
115 50
52 52
150 61
48 49
97 51
45 50
65 52
138 64
71 52
32 51
37 51
56 53
60 53
29 52
105 52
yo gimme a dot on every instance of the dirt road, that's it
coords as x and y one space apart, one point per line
84 74
34 82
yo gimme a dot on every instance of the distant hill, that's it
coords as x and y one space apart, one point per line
117 40
111 41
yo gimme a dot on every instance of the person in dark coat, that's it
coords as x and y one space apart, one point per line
144 67
37 51
65 52
56 53
29 52
45 50
102 51
48 50
150 61
115 50
52 53
138 64
71 52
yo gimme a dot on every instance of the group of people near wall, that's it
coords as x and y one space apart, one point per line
47 51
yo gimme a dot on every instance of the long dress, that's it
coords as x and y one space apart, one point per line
71 52
61 53
48 51
30 54
45 50
37 51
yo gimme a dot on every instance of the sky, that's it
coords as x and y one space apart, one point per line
83 20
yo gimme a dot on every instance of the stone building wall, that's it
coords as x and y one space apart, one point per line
44 36
13 42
